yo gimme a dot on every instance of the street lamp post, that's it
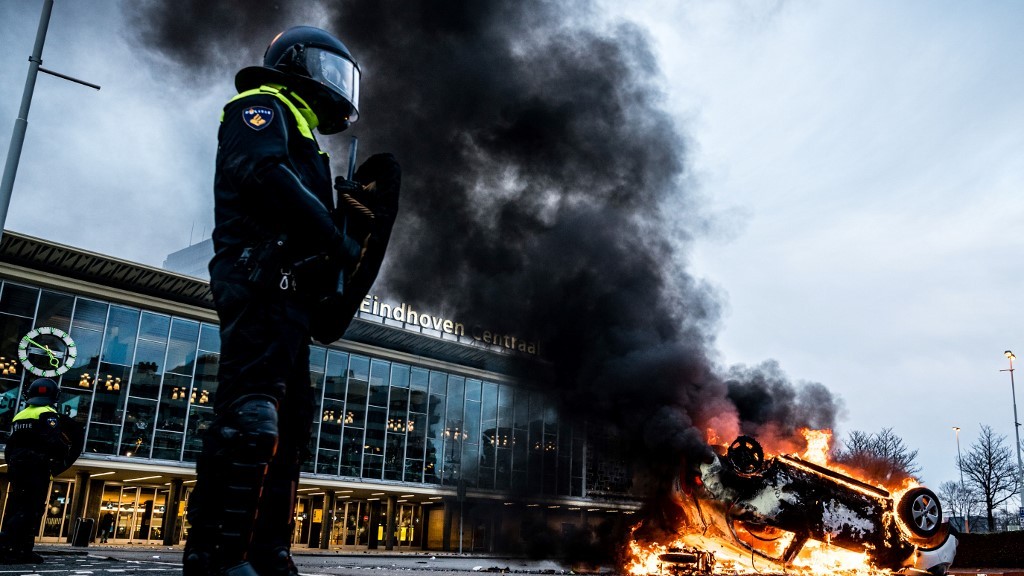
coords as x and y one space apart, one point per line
963 489
1016 429
35 62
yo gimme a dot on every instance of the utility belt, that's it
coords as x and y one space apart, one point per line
268 265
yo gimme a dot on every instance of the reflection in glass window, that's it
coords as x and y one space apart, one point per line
330 436
380 375
317 359
352 452
9 393
337 369
418 391
376 424
472 422
167 445
74 403
413 470
181 353
520 452
55 310
12 329
119 343
394 456
469 470
139 422
205 387
89 314
154 327
199 419
111 389
399 375
18 300
488 433
473 389
209 338
83 374
358 389
148 368
174 401
398 410
435 429
102 438
416 443
327 461
372 466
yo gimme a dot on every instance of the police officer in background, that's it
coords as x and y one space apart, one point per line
291 262
41 445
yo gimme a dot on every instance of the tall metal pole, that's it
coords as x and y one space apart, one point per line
1016 429
35 65
21 123
963 489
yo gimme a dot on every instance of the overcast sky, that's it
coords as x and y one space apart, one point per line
862 164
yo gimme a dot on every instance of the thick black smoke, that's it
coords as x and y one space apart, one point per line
542 186
771 408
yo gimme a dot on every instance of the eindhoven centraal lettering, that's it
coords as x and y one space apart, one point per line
405 313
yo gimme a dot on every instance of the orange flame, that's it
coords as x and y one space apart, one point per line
819 442
814 559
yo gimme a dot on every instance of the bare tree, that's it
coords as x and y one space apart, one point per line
959 500
882 457
990 468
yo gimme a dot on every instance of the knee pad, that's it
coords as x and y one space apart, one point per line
248 432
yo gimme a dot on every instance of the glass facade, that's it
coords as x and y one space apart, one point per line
144 383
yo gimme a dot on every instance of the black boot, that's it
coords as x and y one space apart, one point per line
237 449
274 562
270 551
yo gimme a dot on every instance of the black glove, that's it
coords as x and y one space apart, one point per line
382 173
374 190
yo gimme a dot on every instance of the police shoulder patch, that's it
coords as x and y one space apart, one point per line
257 117
52 422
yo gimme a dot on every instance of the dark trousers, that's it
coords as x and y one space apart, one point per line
264 351
30 482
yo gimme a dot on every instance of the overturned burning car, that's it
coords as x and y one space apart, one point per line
774 507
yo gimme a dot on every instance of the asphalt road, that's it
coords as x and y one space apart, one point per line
158 561
132 561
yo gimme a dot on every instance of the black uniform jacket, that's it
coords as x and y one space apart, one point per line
40 437
271 179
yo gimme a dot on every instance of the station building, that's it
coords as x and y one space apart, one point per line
429 433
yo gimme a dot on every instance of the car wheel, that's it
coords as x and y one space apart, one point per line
746 455
920 510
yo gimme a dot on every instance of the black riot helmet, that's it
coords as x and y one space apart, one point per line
318 67
42 392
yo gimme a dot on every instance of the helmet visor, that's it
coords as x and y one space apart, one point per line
337 73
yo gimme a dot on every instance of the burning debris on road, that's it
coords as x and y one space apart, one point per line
789 514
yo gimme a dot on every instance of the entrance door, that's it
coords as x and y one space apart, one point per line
136 513
351 523
58 508
303 517
149 505
407 525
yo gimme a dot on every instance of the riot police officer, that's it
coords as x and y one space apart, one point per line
288 264
40 446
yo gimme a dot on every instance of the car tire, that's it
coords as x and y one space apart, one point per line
921 511
746 456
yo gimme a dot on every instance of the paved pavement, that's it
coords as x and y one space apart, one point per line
137 560
120 560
